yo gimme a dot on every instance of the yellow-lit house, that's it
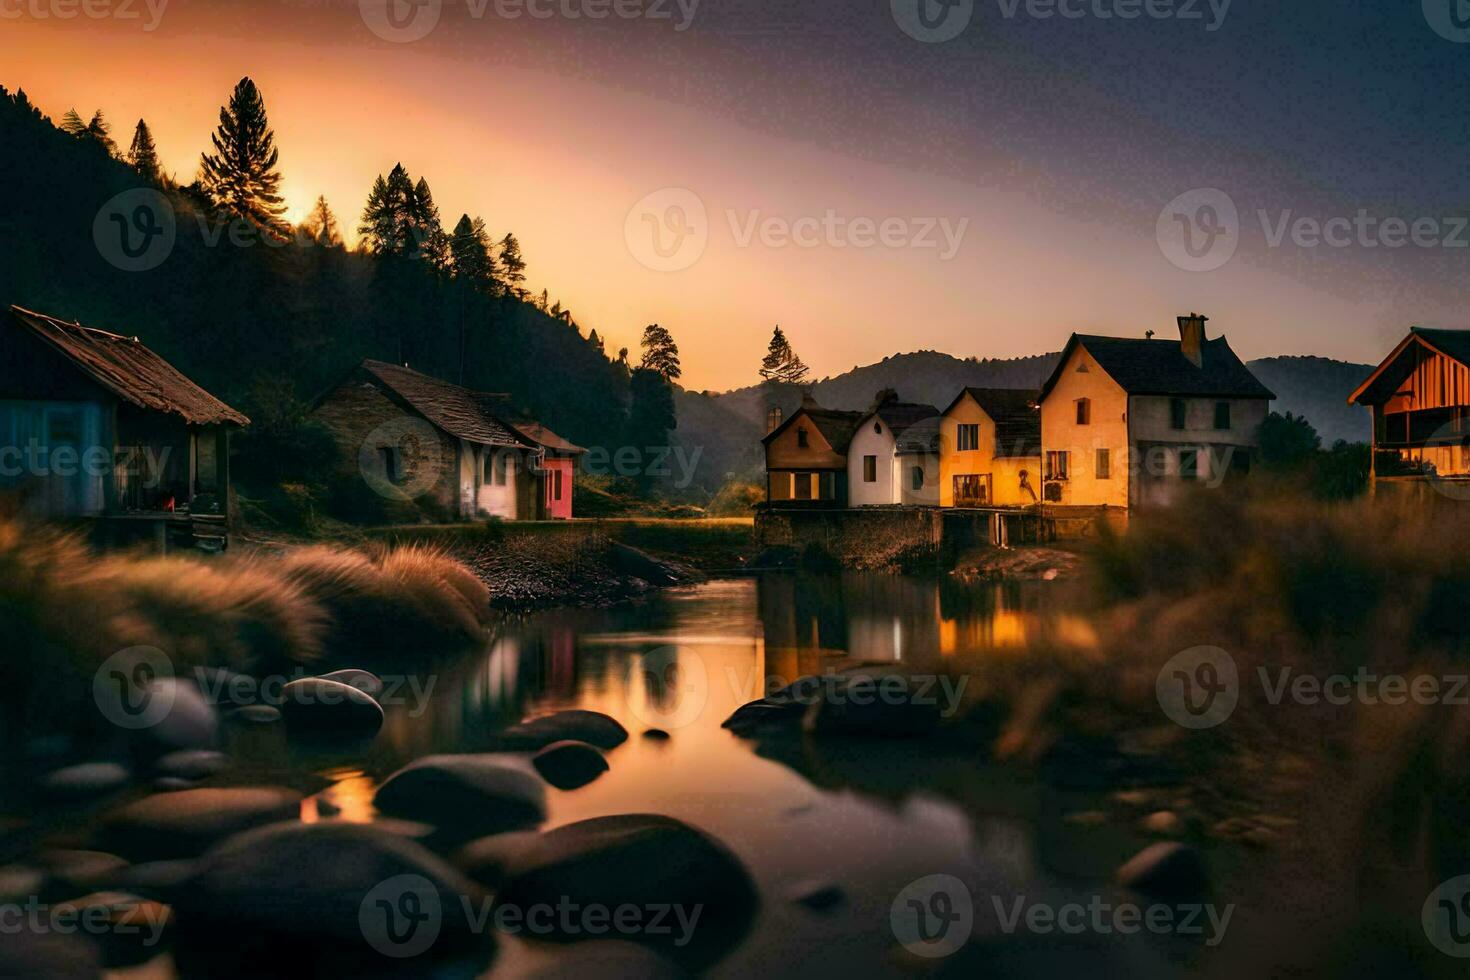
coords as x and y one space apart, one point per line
990 449
1129 422
806 456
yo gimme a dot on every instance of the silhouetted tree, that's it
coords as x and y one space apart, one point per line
781 363
1288 442
143 154
651 415
321 225
240 175
660 353
596 341
97 130
512 265
430 242
469 253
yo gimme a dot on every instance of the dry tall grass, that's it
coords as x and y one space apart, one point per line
65 609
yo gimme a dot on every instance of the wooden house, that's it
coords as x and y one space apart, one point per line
94 425
1129 422
893 457
408 438
1420 400
806 456
990 449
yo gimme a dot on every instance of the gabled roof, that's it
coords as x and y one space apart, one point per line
458 411
1385 380
127 369
1159 367
836 427
921 437
1016 417
539 435
898 416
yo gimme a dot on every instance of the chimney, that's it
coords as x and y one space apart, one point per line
773 419
884 397
1192 337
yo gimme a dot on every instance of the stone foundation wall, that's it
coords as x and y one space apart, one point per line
867 538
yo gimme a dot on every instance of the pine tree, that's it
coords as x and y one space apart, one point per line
781 363
469 254
387 219
143 154
101 132
429 242
72 124
660 353
321 225
512 266
241 175
596 341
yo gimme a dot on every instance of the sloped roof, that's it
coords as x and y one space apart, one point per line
539 434
128 369
1016 417
898 416
921 437
1384 381
1159 367
836 427
458 411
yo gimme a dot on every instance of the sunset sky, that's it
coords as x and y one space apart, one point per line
1054 143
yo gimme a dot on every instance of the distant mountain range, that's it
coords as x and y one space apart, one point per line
727 427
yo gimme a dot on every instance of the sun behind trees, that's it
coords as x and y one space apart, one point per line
241 176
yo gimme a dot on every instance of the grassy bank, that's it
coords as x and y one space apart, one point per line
65 609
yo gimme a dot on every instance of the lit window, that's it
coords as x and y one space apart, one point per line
967 438
1056 465
1104 464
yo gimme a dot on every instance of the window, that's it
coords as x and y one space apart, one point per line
801 439
971 489
870 469
1189 464
827 486
392 464
1176 413
1222 415
556 484
878 428
1104 464
918 477
803 486
495 468
1056 465
1084 411
967 439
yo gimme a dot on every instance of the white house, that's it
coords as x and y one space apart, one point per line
894 455
1129 422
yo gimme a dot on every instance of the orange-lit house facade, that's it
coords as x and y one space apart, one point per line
806 456
1420 400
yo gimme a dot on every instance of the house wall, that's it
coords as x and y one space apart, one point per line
364 421
787 462
1107 429
558 508
903 479
878 443
499 498
1004 471
1157 444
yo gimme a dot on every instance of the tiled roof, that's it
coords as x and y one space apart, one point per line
1159 367
921 437
836 427
458 411
128 369
1016 417
898 416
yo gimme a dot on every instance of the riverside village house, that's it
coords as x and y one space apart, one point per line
96 427
894 454
460 454
1420 399
1128 422
990 449
806 455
